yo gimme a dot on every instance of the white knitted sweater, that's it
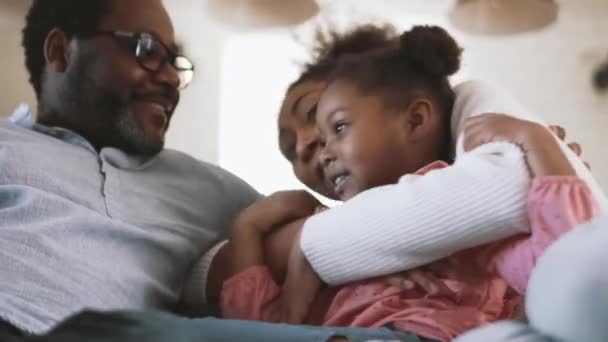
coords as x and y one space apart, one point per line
479 199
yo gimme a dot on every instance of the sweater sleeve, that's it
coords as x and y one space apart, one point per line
480 199
555 205
422 218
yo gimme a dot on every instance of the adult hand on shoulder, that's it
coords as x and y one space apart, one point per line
490 127
560 132
487 128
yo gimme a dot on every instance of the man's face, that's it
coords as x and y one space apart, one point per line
107 96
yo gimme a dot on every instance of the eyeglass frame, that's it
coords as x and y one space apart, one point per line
170 57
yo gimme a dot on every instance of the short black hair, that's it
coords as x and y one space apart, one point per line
74 17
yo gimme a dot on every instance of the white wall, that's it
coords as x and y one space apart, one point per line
14 87
194 127
256 71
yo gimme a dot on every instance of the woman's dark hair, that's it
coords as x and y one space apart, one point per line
73 17
330 45
422 62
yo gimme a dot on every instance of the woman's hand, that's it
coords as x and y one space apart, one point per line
542 152
487 128
500 127
560 132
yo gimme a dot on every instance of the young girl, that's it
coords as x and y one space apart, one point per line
385 115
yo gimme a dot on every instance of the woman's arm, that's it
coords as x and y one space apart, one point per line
480 199
557 200
542 151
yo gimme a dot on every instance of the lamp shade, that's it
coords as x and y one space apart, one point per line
256 14
501 17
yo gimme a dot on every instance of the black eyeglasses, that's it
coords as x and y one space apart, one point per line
151 54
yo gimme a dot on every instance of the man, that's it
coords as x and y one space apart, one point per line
94 213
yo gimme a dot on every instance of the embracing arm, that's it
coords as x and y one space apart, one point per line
480 199
557 201
422 218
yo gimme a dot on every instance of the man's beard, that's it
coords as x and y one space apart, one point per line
101 114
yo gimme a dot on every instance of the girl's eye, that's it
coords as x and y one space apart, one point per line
339 127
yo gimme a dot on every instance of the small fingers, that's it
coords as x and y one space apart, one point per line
576 148
401 282
559 131
587 165
320 208
425 282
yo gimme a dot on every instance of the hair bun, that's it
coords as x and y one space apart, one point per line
432 49
330 44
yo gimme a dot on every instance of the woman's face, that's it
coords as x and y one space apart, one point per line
299 138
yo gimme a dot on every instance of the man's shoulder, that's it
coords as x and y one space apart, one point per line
19 122
205 169
182 159
11 130
6 123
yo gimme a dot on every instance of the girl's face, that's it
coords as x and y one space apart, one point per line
299 138
366 144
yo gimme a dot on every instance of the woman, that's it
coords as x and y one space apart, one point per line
300 142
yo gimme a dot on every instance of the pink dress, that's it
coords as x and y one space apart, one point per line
478 286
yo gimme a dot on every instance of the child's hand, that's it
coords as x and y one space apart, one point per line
275 210
409 280
262 217
301 286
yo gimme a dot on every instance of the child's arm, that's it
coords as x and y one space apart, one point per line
557 200
556 204
261 218
264 215
276 249
250 291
